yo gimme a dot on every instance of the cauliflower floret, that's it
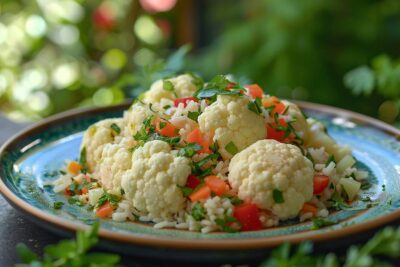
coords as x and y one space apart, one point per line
231 121
115 160
96 136
268 166
300 124
317 137
134 118
152 182
183 87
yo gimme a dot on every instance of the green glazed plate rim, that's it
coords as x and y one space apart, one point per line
192 244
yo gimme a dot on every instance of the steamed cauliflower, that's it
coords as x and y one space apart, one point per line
268 166
183 86
134 118
96 137
231 121
317 138
152 182
114 161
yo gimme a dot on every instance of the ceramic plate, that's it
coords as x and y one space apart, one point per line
29 160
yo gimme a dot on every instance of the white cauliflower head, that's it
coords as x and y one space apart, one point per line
230 120
152 182
134 118
115 160
96 136
269 166
183 86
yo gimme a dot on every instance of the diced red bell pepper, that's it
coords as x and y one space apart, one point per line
320 183
248 216
193 181
279 107
276 134
184 100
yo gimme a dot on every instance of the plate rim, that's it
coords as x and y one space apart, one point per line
192 244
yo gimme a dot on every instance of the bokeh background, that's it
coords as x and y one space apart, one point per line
60 54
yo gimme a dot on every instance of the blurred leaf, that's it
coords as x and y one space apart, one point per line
360 80
25 254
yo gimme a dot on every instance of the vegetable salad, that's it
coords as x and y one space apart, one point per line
215 156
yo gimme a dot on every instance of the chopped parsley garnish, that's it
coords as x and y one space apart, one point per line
147 133
168 86
62 172
166 106
58 205
197 166
198 212
231 148
186 191
320 222
83 161
330 159
162 124
234 200
225 224
189 150
278 196
365 185
338 202
75 201
218 86
115 128
112 199
203 161
215 147
193 115
255 106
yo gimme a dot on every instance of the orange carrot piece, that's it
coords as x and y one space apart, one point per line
307 207
74 167
203 192
216 185
105 211
254 90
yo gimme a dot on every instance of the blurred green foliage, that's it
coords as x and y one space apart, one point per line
302 49
59 54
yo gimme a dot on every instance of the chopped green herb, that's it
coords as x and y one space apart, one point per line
115 128
75 201
215 147
162 124
186 191
83 161
320 222
269 109
338 202
168 86
231 148
198 212
112 199
166 107
330 159
255 106
203 161
122 192
365 185
189 150
193 115
234 200
58 205
278 196
62 172
224 224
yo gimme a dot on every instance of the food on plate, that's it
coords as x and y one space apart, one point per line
215 156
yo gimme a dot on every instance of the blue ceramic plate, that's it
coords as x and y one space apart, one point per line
29 160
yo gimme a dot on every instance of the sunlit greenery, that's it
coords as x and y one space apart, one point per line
60 54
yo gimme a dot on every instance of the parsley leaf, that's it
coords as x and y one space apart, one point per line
189 150
168 86
198 212
107 197
320 222
224 224
83 161
234 200
231 148
75 201
255 106
115 128
186 191
278 196
193 115
58 205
